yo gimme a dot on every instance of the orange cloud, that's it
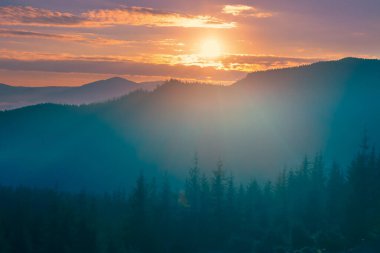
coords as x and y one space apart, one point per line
91 39
150 17
135 16
120 68
263 62
245 10
26 15
87 38
227 66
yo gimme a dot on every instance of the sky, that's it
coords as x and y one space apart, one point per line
72 42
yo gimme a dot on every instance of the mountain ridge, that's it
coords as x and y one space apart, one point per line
283 114
13 97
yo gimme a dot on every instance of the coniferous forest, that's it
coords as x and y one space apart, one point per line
316 207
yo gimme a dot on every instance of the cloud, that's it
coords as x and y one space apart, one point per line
91 39
113 65
150 17
249 63
229 68
120 68
245 10
134 16
265 59
238 62
87 38
29 34
26 15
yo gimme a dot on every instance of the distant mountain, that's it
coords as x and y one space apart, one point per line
261 124
12 97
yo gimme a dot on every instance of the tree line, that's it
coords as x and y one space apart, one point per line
313 208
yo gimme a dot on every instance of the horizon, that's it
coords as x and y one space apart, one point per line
49 43
208 82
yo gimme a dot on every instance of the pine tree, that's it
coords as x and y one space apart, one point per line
137 227
193 186
218 189
336 189
231 205
358 208
218 202
165 215
315 199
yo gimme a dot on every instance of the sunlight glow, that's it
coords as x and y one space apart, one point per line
211 48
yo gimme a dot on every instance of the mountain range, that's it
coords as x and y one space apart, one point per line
261 124
12 97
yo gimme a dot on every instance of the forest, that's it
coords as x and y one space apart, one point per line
316 207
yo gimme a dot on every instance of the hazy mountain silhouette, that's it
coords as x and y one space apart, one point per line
12 97
257 126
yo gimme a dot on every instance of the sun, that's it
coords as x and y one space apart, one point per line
210 48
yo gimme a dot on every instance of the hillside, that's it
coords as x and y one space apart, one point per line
12 97
282 114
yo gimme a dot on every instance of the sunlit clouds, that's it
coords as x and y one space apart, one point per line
224 68
150 17
245 10
87 38
135 16
27 15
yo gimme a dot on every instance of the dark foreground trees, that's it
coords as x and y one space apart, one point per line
313 208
